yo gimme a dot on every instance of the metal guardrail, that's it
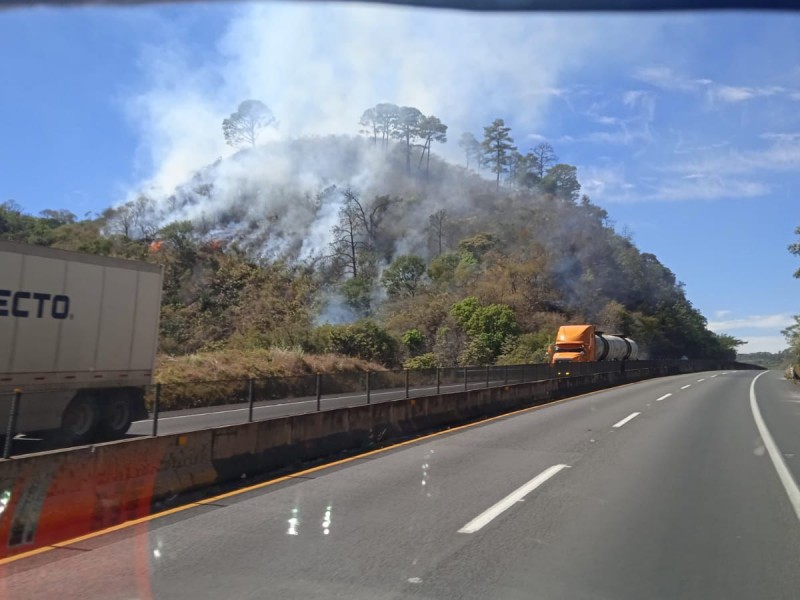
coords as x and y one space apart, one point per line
256 399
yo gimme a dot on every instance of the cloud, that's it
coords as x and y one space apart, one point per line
703 186
721 313
632 126
775 321
606 183
781 153
610 184
763 343
666 79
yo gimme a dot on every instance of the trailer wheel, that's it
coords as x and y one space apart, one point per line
116 417
80 420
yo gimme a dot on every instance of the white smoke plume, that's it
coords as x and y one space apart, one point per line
318 66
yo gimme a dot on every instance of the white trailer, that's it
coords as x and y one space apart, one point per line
78 337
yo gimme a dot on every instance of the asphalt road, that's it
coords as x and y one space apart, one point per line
660 489
203 418
193 419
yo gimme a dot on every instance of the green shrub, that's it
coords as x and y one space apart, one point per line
423 361
363 339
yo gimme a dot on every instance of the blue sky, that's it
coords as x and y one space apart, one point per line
685 127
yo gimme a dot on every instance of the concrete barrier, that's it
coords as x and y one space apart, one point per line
53 496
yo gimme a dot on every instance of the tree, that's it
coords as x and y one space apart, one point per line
243 126
58 217
498 147
488 327
357 293
436 226
792 335
471 148
431 129
795 249
545 156
524 170
355 236
406 129
403 277
348 240
562 181
728 345
379 122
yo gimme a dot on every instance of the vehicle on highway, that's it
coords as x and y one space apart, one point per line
79 338
583 343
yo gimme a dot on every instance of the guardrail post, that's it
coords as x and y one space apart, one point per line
156 402
438 380
250 399
319 392
487 376
465 379
12 423
369 401
406 383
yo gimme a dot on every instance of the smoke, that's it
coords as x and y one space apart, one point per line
318 66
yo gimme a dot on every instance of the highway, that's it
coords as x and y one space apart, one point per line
181 421
194 419
677 487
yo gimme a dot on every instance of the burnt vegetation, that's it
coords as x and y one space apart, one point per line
375 247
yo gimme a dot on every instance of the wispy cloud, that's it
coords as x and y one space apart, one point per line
632 126
610 184
776 321
667 79
781 153
719 314
704 186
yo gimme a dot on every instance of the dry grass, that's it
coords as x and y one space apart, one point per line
241 364
220 377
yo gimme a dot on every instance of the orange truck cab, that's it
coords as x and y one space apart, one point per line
583 343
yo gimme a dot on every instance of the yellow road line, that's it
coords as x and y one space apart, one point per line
283 478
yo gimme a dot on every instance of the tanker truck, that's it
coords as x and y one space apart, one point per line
78 336
583 343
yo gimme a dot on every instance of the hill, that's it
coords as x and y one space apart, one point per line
340 244
769 360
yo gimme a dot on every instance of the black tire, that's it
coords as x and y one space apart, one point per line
80 420
116 417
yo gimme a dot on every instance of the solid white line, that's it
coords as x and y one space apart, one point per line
626 419
664 397
517 495
699 380
784 475
686 386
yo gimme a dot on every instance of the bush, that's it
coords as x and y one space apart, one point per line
529 348
365 340
423 361
414 341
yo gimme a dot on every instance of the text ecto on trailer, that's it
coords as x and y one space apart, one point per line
33 305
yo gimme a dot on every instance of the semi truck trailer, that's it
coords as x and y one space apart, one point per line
583 343
78 338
